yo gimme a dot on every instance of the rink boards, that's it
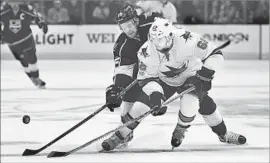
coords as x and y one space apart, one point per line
97 41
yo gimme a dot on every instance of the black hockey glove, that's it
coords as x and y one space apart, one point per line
202 80
112 99
155 100
42 25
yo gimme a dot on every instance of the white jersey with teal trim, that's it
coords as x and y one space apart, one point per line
181 62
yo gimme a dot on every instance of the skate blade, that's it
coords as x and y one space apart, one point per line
41 87
121 146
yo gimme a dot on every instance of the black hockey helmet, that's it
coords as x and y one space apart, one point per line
125 14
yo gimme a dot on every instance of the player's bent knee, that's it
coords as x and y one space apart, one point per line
207 106
189 105
32 58
125 107
31 55
138 109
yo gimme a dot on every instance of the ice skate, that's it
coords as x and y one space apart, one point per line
112 142
233 138
178 136
127 139
38 83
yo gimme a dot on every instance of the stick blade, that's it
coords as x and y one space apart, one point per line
29 152
57 154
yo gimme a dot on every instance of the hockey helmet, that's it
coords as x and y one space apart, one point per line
161 33
125 14
128 21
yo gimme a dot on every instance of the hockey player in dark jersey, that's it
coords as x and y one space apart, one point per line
135 31
16 18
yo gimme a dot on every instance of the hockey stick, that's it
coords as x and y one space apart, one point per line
29 152
62 154
222 46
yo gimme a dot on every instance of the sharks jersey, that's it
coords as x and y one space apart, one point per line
182 61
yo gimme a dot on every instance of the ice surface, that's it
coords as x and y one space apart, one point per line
76 89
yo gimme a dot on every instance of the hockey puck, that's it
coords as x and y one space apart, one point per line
26 119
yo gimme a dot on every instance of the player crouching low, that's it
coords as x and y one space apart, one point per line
16 18
172 60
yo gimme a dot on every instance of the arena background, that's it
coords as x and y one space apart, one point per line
75 61
88 33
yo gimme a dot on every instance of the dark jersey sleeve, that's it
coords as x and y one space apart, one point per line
125 58
4 9
31 12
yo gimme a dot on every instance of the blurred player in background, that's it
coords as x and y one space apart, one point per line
164 7
125 54
16 18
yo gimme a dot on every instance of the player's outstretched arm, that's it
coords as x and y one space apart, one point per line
4 9
41 24
36 17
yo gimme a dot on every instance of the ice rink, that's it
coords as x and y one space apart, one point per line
75 89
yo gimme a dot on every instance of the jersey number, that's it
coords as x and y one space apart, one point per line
202 44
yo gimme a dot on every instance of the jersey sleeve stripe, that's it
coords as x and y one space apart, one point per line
120 51
28 13
146 24
20 41
4 12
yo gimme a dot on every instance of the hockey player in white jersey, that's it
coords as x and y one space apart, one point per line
171 60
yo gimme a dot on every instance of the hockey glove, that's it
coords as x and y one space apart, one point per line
155 101
202 81
42 25
112 99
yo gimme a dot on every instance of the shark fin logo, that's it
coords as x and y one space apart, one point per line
144 52
174 72
187 36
